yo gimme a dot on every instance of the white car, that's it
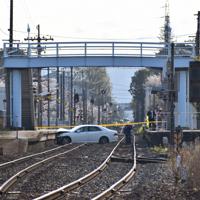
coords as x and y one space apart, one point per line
86 134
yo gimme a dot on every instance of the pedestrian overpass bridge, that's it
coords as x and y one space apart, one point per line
20 56
95 54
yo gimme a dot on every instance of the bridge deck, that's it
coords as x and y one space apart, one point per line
95 54
93 61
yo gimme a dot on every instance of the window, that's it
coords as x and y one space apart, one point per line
93 128
82 129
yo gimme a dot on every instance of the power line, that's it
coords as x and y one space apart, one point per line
93 38
3 32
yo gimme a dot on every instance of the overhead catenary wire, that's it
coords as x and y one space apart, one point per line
95 38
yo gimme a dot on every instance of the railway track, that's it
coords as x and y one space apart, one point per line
103 186
37 178
20 159
29 165
58 176
8 169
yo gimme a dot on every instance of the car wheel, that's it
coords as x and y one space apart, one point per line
66 140
103 140
57 139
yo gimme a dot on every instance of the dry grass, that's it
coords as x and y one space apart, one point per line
189 170
193 161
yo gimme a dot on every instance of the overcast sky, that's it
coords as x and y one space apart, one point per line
115 20
135 20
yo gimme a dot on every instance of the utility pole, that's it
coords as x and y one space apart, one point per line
38 39
92 109
48 101
171 92
74 107
9 101
57 96
167 28
99 108
168 71
11 24
71 96
197 52
39 51
62 96
84 95
197 38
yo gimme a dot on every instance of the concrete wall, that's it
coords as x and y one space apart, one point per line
13 146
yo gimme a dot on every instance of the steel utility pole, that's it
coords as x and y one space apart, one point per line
71 96
171 93
99 108
11 24
57 96
197 38
62 96
9 103
39 51
84 95
197 52
48 101
38 39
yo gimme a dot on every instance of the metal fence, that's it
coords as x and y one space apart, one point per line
64 49
187 120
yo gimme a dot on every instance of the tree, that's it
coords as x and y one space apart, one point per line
93 84
137 90
99 83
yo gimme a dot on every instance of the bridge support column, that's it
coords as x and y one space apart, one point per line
19 98
15 99
182 104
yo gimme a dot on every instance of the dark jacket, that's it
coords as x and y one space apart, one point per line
127 129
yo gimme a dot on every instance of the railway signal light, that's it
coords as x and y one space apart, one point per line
194 81
34 90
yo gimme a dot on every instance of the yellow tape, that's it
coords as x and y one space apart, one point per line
106 125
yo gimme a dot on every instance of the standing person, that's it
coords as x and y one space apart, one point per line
127 132
151 114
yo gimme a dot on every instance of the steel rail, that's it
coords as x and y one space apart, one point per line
6 185
79 182
119 184
30 156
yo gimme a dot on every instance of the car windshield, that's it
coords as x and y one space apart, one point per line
82 129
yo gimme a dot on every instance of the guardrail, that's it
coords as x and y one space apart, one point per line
70 49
